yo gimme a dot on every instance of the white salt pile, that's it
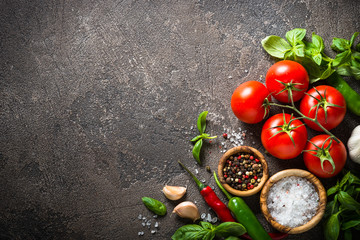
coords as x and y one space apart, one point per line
292 201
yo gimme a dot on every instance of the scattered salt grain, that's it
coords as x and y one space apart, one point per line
140 216
292 201
203 216
214 220
140 233
156 225
155 216
153 231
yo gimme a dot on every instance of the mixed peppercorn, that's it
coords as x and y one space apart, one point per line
243 171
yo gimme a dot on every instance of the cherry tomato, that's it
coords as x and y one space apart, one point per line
284 139
332 107
247 101
285 75
331 165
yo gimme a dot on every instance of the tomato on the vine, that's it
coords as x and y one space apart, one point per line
284 76
283 136
330 103
324 157
247 101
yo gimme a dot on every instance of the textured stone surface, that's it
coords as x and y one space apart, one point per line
100 98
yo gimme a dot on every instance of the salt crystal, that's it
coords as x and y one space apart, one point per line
214 220
208 219
156 225
140 216
140 233
203 180
153 231
293 201
155 216
196 171
203 216
144 224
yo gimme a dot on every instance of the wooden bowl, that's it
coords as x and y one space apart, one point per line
318 187
243 149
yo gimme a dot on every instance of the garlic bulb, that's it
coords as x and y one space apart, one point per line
354 145
174 192
187 209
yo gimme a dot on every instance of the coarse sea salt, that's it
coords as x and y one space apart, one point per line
292 201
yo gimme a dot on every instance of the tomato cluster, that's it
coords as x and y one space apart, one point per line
285 137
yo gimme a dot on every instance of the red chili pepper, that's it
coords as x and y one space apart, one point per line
212 199
274 236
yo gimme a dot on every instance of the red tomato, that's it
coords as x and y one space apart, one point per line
247 101
327 98
279 144
285 75
337 151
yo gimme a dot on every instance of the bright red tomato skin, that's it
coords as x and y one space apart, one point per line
286 71
247 101
281 146
335 115
337 152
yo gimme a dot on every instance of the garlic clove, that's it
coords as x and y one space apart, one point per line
174 192
187 209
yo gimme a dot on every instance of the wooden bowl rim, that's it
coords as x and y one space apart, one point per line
318 187
245 149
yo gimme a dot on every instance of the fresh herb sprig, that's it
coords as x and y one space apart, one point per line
207 231
198 140
342 213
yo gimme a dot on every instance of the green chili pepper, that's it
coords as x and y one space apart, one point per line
154 205
352 98
244 215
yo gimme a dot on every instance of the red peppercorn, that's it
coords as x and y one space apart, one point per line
225 176
251 186
251 157
246 176
225 135
257 160
255 177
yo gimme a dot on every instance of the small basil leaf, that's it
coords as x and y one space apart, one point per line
228 229
232 238
196 138
331 208
353 38
356 55
196 150
275 46
355 72
201 122
350 224
332 190
348 202
345 179
318 42
332 228
317 58
206 225
344 70
340 44
295 36
299 50
187 232
342 58
327 72
154 205
354 179
290 55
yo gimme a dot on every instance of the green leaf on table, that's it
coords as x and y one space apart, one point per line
355 72
228 229
332 190
195 139
232 238
344 70
350 224
318 42
353 38
345 179
187 232
356 55
332 227
299 50
353 179
201 122
327 72
207 225
342 58
196 150
275 46
347 201
295 36
340 44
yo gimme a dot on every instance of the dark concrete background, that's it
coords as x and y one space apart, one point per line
100 98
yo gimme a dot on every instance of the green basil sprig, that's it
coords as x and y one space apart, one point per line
198 140
154 205
207 231
342 213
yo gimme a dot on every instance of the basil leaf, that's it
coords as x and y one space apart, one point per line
345 179
344 70
154 205
318 42
295 36
332 190
317 58
342 58
356 55
206 225
353 38
350 224
357 47
206 234
353 179
196 150
332 227
275 46
228 229
327 72
299 50
355 72
187 232
196 138
348 202
201 122
232 238
340 44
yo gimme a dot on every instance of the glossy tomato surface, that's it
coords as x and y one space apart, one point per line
279 144
290 73
337 152
327 97
247 101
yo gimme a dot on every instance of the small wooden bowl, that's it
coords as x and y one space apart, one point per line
299 173
243 149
